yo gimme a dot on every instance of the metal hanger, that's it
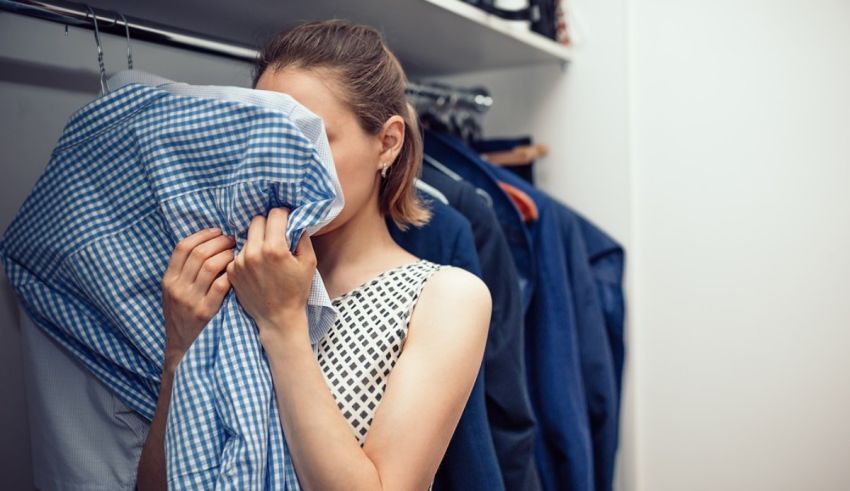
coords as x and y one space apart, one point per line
430 190
127 32
455 176
103 85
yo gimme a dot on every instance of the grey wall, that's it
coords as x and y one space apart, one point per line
44 77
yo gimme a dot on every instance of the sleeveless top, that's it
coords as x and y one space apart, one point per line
358 352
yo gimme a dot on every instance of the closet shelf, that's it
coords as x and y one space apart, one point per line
475 40
431 37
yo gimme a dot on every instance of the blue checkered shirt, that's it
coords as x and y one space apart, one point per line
133 173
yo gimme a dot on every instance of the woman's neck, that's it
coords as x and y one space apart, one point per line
356 251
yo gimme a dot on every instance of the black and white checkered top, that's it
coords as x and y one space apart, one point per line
363 345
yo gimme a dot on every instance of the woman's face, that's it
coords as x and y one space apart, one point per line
356 153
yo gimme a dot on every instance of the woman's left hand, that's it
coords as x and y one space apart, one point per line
271 283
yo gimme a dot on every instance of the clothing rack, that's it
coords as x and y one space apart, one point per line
477 100
112 22
109 21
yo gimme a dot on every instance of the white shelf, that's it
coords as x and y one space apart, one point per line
430 37
518 31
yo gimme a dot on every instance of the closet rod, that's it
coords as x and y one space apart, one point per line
110 21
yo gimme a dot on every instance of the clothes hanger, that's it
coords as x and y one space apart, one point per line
441 167
127 32
431 191
104 87
519 155
445 170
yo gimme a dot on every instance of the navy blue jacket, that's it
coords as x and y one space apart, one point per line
568 351
470 462
508 405
595 281
607 260
597 361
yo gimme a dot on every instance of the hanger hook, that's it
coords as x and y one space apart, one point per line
103 85
127 32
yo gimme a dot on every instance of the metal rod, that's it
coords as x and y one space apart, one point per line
77 14
113 22
480 101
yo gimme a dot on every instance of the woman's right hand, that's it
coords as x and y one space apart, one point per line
192 290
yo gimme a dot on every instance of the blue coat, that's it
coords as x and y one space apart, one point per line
573 315
508 405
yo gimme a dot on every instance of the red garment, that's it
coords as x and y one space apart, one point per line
523 201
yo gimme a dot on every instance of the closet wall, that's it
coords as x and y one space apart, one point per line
741 161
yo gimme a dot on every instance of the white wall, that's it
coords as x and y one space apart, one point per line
741 158
713 140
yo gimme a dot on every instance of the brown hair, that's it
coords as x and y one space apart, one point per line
373 85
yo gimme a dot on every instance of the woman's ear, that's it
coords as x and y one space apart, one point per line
392 139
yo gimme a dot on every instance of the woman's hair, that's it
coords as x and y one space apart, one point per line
372 83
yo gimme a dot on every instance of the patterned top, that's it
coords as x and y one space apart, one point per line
358 352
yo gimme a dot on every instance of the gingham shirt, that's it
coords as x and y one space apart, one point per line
133 173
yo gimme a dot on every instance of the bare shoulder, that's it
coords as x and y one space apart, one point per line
456 285
453 296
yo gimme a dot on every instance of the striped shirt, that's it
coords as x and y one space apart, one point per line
134 172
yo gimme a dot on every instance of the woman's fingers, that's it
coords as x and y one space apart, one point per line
276 229
218 289
210 270
184 248
200 254
304 249
256 234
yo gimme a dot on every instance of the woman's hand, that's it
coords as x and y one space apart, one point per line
192 290
271 283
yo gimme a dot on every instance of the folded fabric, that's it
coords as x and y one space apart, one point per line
134 172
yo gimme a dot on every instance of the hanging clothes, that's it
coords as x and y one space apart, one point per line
562 445
136 170
605 255
571 371
508 406
607 262
470 462
511 222
597 354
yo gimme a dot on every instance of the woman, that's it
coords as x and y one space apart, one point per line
345 74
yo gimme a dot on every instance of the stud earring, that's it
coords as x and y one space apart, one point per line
384 170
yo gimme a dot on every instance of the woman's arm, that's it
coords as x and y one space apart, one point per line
192 293
424 398
151 470
426 390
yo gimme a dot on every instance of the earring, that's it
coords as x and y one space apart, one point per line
384 170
